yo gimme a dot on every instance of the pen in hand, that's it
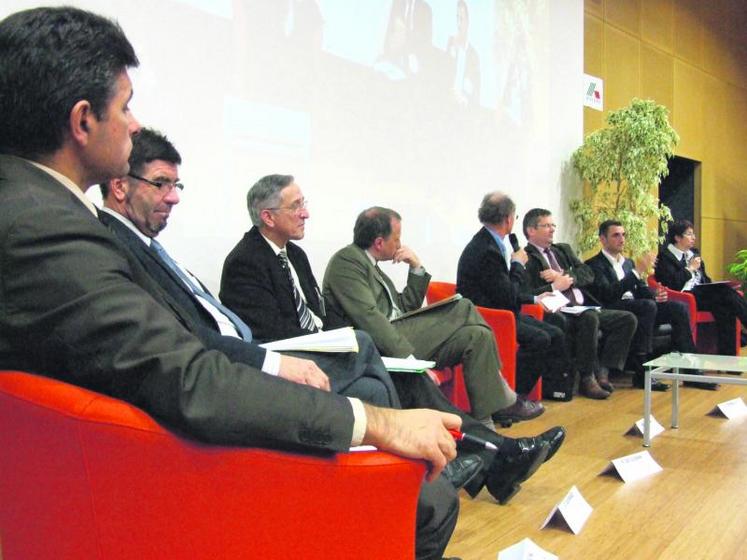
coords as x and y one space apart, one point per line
468 440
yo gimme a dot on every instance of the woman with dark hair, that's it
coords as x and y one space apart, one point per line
680 267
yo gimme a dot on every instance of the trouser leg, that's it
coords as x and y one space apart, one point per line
618 328
583 331
675 313
436 517
473 346
645 313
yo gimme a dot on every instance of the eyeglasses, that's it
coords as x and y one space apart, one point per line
554 226
164 186
295 208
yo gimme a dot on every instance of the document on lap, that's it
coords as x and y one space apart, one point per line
578 309
406 364
439 303
554 301
337 340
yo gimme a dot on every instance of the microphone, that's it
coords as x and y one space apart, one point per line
514 241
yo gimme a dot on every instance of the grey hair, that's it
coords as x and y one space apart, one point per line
265 194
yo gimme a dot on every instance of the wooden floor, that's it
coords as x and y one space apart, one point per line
695 509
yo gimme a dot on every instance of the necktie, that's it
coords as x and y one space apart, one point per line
243 329
304 315
683 261
553 262
396 311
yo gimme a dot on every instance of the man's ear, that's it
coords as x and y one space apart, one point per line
267 217
377 243
81 119
118 189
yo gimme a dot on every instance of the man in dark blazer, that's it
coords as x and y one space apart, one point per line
680 267
555 267
256 283
79 307
253 270
491 274
618 284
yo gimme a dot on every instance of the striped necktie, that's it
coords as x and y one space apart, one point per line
302 310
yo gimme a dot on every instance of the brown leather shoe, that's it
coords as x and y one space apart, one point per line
589 387
603 379
522 409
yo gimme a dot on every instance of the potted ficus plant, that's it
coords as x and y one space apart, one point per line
621 165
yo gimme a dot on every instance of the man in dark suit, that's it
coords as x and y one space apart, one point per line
680 267
253 270
618 284
555 267
492 274
79 307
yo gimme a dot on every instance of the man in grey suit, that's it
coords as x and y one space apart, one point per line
78 307
358 293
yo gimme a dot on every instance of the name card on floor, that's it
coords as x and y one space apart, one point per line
572 512
637 428
633 467
526 549
730 409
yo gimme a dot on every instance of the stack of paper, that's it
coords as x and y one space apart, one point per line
406 364
337 340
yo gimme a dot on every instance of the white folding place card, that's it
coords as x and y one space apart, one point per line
637 428
731 409
572 511
525 549
633 467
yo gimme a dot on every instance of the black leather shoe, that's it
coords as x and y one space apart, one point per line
522 409
656 385
463 469
554 437
508 471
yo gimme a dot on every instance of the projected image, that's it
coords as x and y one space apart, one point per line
420 105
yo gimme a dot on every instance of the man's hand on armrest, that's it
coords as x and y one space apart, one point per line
304 372
414 433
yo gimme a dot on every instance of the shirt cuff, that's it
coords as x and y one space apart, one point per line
419 271
360 421
271 365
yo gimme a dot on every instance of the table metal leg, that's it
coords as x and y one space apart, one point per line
676 401
647 408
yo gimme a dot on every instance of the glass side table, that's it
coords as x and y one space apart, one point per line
669 365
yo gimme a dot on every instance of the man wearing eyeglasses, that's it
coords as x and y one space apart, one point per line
267 279
555 267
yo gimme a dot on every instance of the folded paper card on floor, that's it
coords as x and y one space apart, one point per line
572 512
525 549
637 428
730 409
633 467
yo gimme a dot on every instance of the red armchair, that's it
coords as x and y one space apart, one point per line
702 323
83 475
503 324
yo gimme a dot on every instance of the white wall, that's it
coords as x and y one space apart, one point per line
252 87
